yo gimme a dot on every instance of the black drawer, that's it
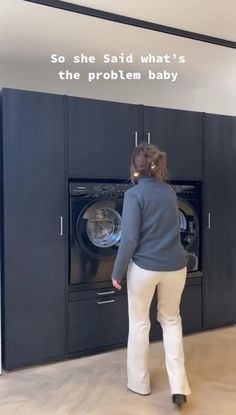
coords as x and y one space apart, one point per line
98 293
98 323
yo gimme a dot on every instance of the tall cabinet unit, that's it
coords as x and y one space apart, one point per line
219 221
179 134
101 138
34 241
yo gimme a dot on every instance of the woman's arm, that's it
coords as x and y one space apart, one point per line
130 230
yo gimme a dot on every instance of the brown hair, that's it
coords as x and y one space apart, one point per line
148 160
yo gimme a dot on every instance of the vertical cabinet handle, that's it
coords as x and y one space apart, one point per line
208 221
136 138
61 226
149 137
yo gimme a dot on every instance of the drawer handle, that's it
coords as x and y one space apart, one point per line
106 293
149 138
105 302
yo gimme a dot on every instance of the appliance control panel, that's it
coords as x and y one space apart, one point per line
97 190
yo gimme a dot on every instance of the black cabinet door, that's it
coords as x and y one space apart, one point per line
34 207
98 323
101 138
219 262
179 134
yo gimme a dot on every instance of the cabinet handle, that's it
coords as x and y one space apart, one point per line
208 221
105 302
136 138
149 137
61 226
106 293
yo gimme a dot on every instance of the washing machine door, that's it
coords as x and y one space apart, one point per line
98 228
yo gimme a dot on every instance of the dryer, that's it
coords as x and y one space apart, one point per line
189 205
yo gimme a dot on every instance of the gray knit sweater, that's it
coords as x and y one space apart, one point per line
150 233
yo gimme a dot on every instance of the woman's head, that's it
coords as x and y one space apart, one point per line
148 160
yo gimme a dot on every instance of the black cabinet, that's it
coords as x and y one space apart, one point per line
190 310
179 134
34 243
219 260
98 322
155 329
101 138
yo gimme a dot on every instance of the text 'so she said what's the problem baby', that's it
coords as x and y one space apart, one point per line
115 73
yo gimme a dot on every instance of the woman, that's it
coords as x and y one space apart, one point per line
151 250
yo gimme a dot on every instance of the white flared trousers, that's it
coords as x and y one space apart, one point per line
141 285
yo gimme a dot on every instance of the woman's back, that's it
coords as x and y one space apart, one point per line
159 247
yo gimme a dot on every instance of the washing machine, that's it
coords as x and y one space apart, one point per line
95 229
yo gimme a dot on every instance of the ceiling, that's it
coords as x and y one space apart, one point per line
209 17
31 31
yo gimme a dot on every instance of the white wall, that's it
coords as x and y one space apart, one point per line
30 33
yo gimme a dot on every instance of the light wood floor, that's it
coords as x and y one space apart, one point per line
96 385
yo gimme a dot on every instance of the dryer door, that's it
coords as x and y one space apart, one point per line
188 221
189 232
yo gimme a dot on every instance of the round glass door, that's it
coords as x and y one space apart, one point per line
104 227
98 228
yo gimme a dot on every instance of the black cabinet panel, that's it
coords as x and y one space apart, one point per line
34 251
155 330
219 260
101 138
190 310
179 134
98 323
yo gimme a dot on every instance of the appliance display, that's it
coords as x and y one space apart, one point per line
95 227
189 204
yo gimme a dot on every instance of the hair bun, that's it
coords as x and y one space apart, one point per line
148 160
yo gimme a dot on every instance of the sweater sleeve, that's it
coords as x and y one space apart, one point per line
130 230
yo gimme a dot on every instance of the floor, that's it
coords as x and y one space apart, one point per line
96 385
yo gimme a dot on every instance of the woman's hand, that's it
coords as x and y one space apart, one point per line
117 284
